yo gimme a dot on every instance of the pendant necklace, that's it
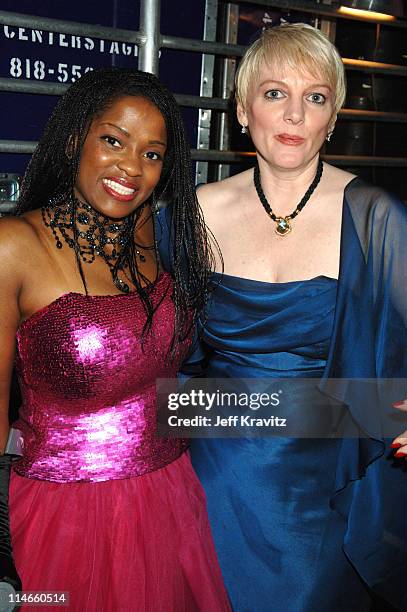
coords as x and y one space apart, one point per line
283 226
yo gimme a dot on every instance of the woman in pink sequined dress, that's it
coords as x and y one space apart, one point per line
101 508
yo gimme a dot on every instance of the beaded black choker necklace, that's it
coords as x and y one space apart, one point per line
283 223
90 233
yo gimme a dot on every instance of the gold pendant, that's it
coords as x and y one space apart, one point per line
283 226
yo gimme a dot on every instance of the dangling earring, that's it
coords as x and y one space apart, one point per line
155 208
329 136
70 149
243 130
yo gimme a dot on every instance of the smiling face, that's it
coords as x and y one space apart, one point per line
122 157
289 114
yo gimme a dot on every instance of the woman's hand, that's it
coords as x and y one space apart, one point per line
400 443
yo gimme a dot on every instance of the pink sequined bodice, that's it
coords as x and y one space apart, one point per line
88 386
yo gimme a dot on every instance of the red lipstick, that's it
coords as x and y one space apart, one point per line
122 181
120 189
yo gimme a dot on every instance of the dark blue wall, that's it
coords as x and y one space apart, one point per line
23 116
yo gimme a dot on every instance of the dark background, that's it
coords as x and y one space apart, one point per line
22 116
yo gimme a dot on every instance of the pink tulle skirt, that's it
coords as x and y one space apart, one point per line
139 544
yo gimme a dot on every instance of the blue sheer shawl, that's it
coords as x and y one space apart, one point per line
369 341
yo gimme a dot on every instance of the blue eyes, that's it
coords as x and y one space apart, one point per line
317 98
276 94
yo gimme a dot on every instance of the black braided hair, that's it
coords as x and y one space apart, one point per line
54 166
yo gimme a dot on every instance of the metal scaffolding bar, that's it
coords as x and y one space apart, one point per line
205 116
366 160
149 41
203 102
376 67
349 114
220 104
32 87
337 160
56 89
201 46
149 21
28 147
68 27
227 71
7 207
325 10
149 48
17 146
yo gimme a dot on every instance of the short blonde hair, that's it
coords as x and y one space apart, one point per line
296 46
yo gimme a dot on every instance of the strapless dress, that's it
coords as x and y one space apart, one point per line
100 507
278 541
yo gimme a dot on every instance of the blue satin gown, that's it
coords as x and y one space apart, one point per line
278 541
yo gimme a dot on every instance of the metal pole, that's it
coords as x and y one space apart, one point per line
308 6
7 207
225 157
151 38
206 89
36 87
56 89
336 160
17 146
201 46
228 70
68 27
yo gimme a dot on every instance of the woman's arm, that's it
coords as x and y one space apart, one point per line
12 259
11 274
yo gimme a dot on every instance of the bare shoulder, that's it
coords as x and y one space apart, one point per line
222 192
19 238
220 198
336 179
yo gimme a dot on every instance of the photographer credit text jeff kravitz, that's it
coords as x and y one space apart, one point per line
208 401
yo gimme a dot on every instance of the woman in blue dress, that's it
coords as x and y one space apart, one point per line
312 287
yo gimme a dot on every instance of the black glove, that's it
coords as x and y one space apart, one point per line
9 579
